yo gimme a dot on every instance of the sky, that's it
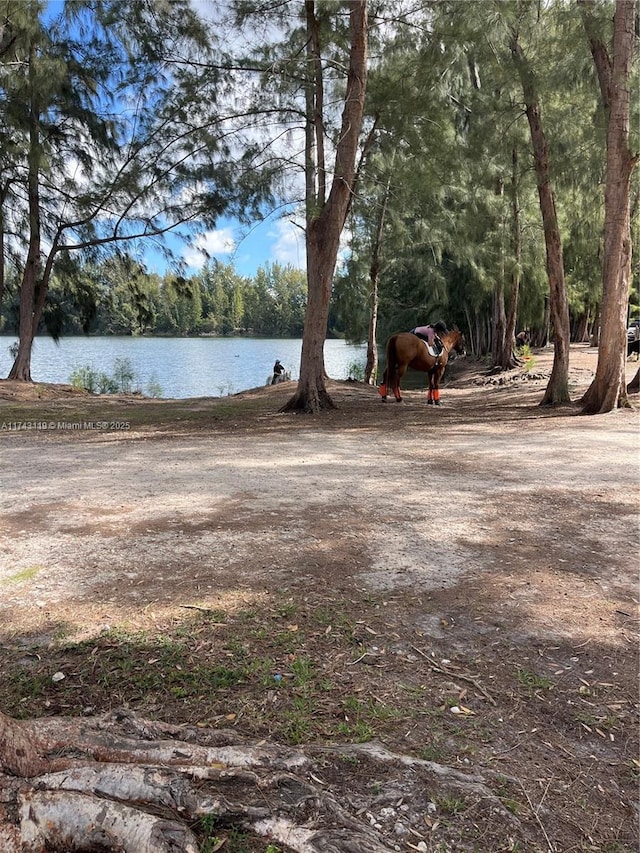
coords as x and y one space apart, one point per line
244 247
276 239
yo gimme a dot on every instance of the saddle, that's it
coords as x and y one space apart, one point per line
436 349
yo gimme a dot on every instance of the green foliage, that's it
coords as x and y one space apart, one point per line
123 380
21 576
447 148
454 146
117 296
123 375
356 370
96 150
450 805
96 382
532 681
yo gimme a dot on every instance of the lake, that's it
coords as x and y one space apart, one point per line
180 367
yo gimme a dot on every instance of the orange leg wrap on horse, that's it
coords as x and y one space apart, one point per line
429 395
436 395
383 390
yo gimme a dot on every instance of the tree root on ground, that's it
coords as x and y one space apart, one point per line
118 782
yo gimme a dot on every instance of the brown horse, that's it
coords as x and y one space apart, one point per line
408 350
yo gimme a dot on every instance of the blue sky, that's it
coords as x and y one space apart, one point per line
245 247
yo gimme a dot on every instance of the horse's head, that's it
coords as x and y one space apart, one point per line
457 342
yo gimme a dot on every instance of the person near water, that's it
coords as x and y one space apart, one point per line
278 372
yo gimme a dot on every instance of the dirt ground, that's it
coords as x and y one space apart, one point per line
459 584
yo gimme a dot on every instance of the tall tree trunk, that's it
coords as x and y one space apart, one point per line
505 326
371 368
499 320
594 338
514 294
557 390
498 315
325 219
21 368
3 197
581 329
608 389
471 344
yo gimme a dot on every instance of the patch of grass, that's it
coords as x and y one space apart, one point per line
237 649
358 731
352 760
25 685
286 609
21 576
607 723
506 796
303 671
450 805
118 667
511 805
532 681
215 836
358 720
433 752
140 412
297 721
287 641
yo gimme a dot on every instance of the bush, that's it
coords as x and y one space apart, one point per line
356 370
85 378
122 382
123 375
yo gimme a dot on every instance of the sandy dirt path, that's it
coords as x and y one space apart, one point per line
104 524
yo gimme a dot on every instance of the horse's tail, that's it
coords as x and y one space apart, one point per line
391 368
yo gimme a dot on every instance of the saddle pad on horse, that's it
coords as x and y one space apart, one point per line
434 350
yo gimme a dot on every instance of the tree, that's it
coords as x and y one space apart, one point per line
443 98
557 390
126 297
326 212
85 172
371 367
504 351
180 305
613 66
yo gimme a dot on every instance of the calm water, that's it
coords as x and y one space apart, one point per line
181 367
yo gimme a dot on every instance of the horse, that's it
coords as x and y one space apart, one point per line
408 350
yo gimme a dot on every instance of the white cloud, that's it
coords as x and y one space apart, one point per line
288 246
211 244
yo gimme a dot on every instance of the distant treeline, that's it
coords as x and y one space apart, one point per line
117 296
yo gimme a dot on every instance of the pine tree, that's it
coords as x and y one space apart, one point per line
613 60
99 147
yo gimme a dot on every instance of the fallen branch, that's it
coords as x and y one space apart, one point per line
455 674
